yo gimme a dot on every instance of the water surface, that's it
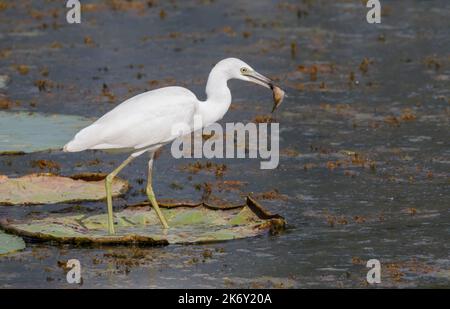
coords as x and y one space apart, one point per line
365 160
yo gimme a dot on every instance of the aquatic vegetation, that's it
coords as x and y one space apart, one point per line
138 224
24 131
51 189
10 243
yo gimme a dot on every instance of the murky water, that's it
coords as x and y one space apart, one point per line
365 165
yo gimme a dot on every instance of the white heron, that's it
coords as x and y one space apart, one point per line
144 122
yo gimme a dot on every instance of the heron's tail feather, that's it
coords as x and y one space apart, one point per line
85 139
73 146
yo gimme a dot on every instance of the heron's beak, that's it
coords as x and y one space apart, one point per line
259 79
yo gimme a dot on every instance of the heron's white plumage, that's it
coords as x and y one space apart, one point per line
146 120
138 122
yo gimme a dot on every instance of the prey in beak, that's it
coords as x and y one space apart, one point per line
278 96
259 79
278 93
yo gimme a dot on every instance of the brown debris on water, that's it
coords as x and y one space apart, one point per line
106 92
432 62
207 254
311 70
92 7
176 186
46 165
63 265
364 66
44 71
56 45
314 69
381 38
353 159
5 103
392 120
126 5
194 168
333 220
273 194
228 31
412 211
289 152
23 69
358 261
293 49
162 14
308 166
206 189
246 34
359 219
332 165
88 163
230 185
395 121
408 115
350 173
395 272
5 53
313 73
263 119
3 5
44 84
88 41
351 78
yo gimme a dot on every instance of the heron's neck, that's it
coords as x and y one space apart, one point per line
218 97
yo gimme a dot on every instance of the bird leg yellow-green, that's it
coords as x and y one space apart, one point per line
151 194
108 183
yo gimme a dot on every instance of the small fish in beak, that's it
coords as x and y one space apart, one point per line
278 97
278 93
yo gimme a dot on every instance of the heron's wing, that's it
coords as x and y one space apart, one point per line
144 120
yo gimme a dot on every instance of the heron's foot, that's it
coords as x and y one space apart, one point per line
152 199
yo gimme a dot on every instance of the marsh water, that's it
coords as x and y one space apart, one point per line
364 168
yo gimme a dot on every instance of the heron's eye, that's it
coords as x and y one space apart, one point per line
244 70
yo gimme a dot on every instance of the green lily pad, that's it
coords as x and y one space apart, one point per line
51 189
24 132
138 224
10 243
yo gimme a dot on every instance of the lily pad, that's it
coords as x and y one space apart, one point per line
24 132
10 243
138 224
51 189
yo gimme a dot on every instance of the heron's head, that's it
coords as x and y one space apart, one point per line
238 69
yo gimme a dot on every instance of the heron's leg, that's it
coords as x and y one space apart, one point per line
151 194
108 183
